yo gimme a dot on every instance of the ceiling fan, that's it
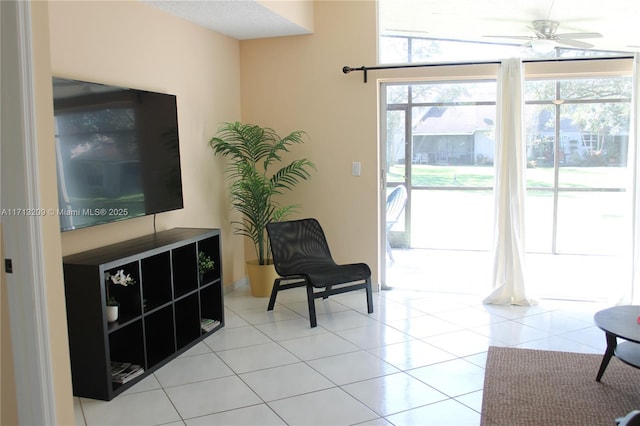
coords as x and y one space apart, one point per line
546 39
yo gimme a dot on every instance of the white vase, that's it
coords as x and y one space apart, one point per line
112 313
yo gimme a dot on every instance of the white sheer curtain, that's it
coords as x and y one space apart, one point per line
633 163
510 189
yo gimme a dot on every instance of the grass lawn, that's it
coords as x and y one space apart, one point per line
538 177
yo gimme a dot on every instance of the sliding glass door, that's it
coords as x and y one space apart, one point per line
439 143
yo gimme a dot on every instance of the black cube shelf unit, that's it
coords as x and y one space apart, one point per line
160 315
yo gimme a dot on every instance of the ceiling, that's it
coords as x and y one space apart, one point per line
240 19
617 20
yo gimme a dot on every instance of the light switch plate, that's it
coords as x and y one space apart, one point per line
355 168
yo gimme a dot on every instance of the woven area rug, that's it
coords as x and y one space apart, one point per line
533 387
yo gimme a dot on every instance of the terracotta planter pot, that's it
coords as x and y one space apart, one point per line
261 278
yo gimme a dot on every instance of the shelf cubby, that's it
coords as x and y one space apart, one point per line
187 314
159 336
156 280
185 269
207 310
210 247
126 344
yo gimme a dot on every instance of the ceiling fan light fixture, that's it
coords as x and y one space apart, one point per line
541 45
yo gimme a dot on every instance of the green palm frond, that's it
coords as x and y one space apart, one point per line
253 151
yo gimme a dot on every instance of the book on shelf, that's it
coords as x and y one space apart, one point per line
118 367
207 324
127 374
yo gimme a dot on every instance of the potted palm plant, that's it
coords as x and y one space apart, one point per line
256 178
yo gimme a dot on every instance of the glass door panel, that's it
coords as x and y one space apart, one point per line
440 144
396 153
577 141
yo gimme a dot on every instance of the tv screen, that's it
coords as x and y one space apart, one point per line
117 152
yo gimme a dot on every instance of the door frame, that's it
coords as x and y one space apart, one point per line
22 233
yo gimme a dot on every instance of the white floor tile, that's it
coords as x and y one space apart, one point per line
318 346
512 312
376 422
197 349
283 382
148 383
256 415
261 315
77 411
425 326
352 367
510 332
393 393
411 354
393 311
143 408
555 322
257 357
232 338
472 400
192 369
464 342
343 320
289 329
233 320
322 307
445 413
210 396
559 343
453 378
470 318
327 407
479 359
373 335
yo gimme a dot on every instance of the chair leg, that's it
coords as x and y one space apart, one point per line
327 289
274 293
369 296
311 300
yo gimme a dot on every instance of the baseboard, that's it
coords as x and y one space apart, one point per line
235 285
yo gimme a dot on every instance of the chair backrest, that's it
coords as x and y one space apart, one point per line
297 246
396 201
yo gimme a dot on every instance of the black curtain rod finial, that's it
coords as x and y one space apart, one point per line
347 69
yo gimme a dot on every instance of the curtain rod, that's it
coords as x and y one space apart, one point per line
347 69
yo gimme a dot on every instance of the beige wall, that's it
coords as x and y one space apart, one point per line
291 83
131 44
298 12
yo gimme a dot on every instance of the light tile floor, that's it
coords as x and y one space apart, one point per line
417 360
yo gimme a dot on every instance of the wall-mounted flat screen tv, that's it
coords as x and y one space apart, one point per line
117 151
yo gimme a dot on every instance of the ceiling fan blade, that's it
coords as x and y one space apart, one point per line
579 35
511 37
573 43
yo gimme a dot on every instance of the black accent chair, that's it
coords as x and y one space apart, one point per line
301 257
